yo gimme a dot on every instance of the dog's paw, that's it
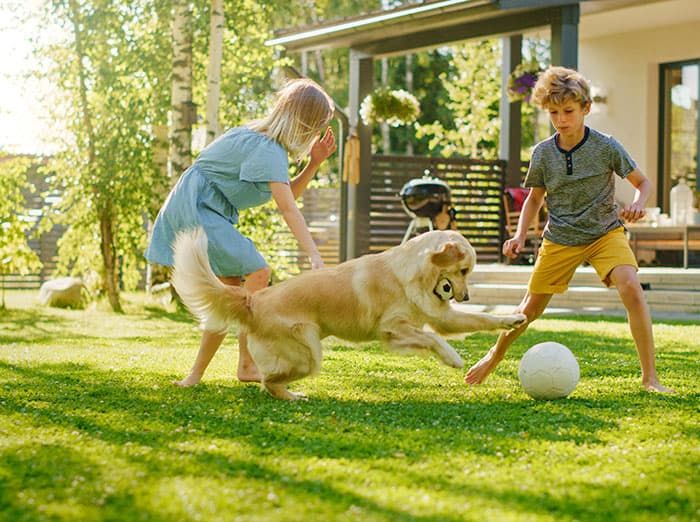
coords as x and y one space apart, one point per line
514 320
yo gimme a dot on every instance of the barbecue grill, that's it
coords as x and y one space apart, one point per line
423 199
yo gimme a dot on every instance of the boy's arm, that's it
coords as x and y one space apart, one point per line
531 207
636 210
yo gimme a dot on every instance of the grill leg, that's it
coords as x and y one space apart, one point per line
416 223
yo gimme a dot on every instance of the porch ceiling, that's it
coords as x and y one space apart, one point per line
428 24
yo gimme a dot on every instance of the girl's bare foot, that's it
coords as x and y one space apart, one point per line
656 386
248 373
478 373
190 380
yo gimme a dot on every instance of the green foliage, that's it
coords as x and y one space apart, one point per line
426 68
474 96
105 172
92 428
15 222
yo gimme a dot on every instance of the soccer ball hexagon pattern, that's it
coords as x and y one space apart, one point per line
548 371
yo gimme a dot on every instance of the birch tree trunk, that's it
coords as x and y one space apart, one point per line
182 108
409 88
216 38
384 126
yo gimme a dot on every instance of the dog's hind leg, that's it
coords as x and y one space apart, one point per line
403 337
289 359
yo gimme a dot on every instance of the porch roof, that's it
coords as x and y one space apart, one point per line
431 23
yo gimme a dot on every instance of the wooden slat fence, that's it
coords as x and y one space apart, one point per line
476 186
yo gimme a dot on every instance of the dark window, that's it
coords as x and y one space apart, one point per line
679 138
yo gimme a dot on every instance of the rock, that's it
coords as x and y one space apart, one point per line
64 292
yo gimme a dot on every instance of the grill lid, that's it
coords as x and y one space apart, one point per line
425 197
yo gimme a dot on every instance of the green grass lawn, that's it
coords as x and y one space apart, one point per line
92 429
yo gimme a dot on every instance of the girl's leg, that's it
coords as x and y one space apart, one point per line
532 306
247 371
624 277
207 347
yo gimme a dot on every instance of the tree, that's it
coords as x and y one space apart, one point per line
15 254
108 69
216 36
474 93
183 109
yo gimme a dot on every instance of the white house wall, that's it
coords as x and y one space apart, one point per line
626 66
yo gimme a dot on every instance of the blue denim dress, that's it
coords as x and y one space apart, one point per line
231 174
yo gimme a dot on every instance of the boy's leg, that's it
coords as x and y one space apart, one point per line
247 371
625 279
208 346
532 305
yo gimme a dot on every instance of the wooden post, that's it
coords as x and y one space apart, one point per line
358 196
565 37
511 131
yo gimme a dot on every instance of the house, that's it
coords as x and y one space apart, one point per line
642 57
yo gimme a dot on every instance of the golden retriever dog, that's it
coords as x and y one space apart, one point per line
391 297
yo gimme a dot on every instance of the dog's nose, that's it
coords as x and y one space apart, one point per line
465 297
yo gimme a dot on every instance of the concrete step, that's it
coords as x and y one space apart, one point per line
667 290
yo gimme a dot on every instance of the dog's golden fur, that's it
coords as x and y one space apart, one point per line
389 297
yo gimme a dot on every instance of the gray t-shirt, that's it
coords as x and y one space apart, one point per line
580 186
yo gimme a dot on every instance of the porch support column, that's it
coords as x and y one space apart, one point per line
565 37
511 132
357 200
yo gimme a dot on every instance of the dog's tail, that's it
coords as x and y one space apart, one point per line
215 304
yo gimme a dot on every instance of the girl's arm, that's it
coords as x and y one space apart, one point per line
320 150
284 198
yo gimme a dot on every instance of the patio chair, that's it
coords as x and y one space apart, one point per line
513 199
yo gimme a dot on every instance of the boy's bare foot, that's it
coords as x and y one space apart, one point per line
656 386
190 380
478 373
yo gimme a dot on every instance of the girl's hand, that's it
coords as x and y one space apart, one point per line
323 147
316 261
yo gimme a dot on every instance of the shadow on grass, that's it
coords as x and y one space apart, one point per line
123 411
28 325
179 315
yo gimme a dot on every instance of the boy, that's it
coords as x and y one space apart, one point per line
574 170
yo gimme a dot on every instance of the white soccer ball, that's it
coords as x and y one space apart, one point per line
548 371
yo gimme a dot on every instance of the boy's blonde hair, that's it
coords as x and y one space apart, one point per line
302 110
558 85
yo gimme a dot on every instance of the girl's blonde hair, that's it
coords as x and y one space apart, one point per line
302 110
558 85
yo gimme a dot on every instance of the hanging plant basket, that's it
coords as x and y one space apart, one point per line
521 81
395 107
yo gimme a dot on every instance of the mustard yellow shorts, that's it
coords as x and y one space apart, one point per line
556 264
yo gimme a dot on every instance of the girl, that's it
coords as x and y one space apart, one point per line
243 168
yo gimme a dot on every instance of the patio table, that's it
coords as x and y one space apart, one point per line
673 237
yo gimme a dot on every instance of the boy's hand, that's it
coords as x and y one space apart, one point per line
323 147
512 247
633 212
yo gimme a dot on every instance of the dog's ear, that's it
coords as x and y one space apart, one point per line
448 254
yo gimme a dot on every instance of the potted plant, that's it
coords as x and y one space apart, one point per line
522 80
395 107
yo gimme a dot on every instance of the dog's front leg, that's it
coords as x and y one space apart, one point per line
405 338
455 321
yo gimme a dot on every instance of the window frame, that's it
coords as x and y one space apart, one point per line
663 172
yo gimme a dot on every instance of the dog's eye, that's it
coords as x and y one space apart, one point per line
465 271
